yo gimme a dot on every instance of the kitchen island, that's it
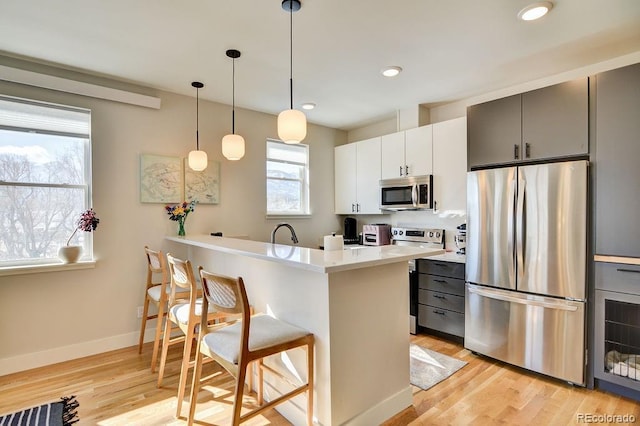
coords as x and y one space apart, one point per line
355 302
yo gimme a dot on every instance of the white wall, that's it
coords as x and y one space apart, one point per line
50 317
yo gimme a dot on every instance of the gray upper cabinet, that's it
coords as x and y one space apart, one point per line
555 121
493 129
551 122
616 158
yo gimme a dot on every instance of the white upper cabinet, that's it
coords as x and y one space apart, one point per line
407 153
345 178
393 155
357 177
450 167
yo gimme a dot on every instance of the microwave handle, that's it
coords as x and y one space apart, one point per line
414 195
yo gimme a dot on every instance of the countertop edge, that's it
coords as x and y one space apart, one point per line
617 259
339 267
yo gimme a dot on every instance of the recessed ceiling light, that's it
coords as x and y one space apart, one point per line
308 105
391 71
535 11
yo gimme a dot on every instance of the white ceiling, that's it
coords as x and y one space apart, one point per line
449 49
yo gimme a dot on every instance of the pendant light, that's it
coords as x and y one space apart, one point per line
197 159
233 145
292 124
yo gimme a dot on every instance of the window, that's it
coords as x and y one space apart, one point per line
287 178
45 179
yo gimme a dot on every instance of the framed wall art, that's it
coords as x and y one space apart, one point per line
161 179
203 186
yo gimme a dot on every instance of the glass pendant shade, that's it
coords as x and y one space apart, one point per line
292 126
233 147
198 160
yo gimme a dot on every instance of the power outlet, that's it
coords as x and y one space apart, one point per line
140 309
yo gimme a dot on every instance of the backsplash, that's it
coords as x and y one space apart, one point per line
420 219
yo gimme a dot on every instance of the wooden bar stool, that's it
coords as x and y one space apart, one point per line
185 316
236 344
158 294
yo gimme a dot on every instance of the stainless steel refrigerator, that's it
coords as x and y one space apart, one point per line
526 267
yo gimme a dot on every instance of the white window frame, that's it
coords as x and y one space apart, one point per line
304 181
51 263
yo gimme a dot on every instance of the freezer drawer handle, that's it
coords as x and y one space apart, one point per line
437 296
440 281
506 298
628 270
439 312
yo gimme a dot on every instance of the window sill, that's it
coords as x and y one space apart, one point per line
48 267
288 216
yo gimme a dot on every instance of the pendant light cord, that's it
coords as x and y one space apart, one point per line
197 119
233 98
291 52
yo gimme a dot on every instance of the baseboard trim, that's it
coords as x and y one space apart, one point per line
384 410
31 360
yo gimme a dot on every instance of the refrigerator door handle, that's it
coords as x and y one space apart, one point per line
520 228
492 294
510 230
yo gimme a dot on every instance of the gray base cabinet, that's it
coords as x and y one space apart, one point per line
617 168
552 122
441 296
617 325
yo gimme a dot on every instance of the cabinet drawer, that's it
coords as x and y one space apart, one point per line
441 320
618 277
441 300
441 284
436 267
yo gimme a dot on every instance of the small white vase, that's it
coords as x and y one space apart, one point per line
69 254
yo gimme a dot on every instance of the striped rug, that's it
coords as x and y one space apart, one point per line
59 413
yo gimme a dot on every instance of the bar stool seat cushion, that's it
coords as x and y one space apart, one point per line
181 311
264 331
154 292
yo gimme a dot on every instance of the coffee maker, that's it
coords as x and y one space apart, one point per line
350 231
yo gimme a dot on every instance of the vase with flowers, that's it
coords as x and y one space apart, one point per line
179 213
87 222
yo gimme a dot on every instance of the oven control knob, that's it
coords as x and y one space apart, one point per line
401 232
437 234
431 233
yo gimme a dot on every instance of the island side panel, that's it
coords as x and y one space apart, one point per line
369 313
294 295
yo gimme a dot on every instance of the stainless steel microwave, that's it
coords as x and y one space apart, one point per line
407 193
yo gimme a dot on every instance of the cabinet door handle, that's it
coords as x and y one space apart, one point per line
516 152
527 150
400 170
353 208
406 170
438 312
358 207
628 270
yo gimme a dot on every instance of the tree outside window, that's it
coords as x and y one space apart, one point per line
287 178
44 179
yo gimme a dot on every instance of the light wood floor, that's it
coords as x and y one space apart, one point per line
117 388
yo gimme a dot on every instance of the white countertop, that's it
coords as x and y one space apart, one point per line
308 258
450 256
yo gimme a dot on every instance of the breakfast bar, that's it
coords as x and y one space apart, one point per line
355 302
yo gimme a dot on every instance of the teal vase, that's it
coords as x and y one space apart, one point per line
181 232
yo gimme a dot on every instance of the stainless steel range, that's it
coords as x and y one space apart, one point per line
416 237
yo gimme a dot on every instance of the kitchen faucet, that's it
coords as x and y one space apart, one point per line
280 225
